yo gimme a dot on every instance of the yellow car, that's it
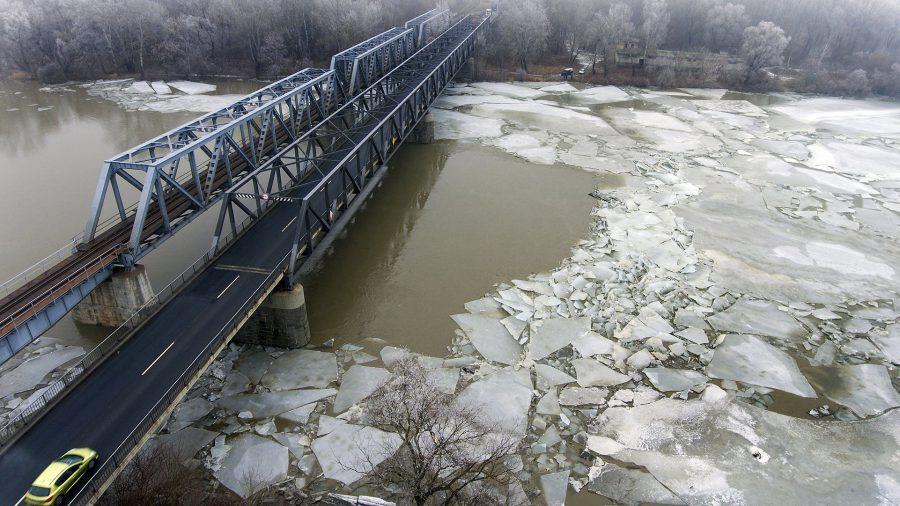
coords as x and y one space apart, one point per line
60 476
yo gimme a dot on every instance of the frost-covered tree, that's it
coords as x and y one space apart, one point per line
857 83
763 46
608 30
725 25
655 23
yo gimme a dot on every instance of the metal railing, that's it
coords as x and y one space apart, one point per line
25 415
96 264
36 270
120 455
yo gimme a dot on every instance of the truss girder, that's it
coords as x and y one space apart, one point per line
429 25
330 165
183 172
361 65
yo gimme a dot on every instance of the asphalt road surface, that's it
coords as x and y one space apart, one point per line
107 405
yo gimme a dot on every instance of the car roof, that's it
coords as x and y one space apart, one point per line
49 475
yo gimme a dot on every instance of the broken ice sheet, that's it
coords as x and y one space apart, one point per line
273 403
503 398
489 337
888 342
358 383
749 359
591 373
631 486
555 333
591 344
192 88
185 442
581 396
674 380
188 412
555 486
646 324
759 317
252 464
30 373
301 369
549 404
551 376
350 451
864 388
703 452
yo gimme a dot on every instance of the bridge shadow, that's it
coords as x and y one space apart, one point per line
450 220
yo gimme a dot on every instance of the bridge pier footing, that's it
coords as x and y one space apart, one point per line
280 321
424 131
116 299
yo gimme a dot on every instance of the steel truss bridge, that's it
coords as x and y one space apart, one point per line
289 165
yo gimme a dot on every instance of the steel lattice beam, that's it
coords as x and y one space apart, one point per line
183 172
329 166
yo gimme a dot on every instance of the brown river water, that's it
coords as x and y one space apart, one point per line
450 220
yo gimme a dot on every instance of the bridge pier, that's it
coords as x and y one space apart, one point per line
280 321
469 71
116 299
424 131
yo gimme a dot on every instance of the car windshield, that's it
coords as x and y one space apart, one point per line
39 491
70 459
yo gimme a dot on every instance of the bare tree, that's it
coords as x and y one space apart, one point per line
608 30
523 31
763 46
448 452
157 476
655 24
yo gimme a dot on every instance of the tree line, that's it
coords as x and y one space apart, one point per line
59 40
831 46
834 46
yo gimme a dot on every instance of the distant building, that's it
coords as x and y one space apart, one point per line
632 54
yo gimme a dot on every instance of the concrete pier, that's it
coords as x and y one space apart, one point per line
280 321
116 299
424 131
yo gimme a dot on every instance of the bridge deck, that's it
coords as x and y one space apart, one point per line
103 410
98 254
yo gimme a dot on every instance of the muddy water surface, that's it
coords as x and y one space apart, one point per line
450 220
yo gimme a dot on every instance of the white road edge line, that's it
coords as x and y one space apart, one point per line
227 287
157 358
289 224
20 500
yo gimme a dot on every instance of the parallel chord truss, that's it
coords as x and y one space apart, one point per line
361 65
329 166
429 25
176 176
183 172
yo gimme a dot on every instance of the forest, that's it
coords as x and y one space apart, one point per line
849 47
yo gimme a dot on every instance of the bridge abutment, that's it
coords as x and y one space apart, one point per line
280 321
116 299
424 131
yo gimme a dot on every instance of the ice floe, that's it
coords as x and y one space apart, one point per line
712 452
751 360
358 383
503 398
252 464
